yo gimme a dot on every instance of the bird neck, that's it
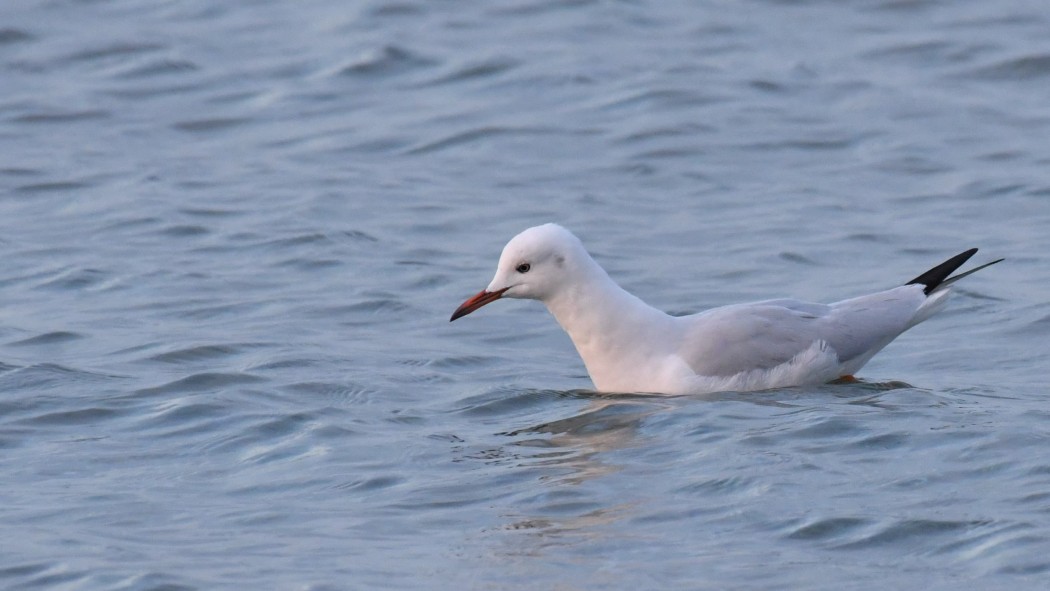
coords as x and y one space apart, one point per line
613 330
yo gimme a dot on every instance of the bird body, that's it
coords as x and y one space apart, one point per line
629 346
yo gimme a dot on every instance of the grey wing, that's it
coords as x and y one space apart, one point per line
728 340
859 328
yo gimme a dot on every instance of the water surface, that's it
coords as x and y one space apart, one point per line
233 233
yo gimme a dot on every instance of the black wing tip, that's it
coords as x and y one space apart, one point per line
939 275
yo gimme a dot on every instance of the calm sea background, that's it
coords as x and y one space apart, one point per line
232 233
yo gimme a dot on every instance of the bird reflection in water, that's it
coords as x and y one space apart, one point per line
572 451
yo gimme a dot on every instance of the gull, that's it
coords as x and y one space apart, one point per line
629 346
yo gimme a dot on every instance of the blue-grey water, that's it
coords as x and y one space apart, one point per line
232 233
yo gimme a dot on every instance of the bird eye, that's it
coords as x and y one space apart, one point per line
523 268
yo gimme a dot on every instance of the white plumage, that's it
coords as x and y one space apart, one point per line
629 346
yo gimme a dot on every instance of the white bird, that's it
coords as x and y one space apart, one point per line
629 346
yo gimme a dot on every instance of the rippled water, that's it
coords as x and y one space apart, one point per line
232 234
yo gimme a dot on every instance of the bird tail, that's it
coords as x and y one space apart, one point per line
938 278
